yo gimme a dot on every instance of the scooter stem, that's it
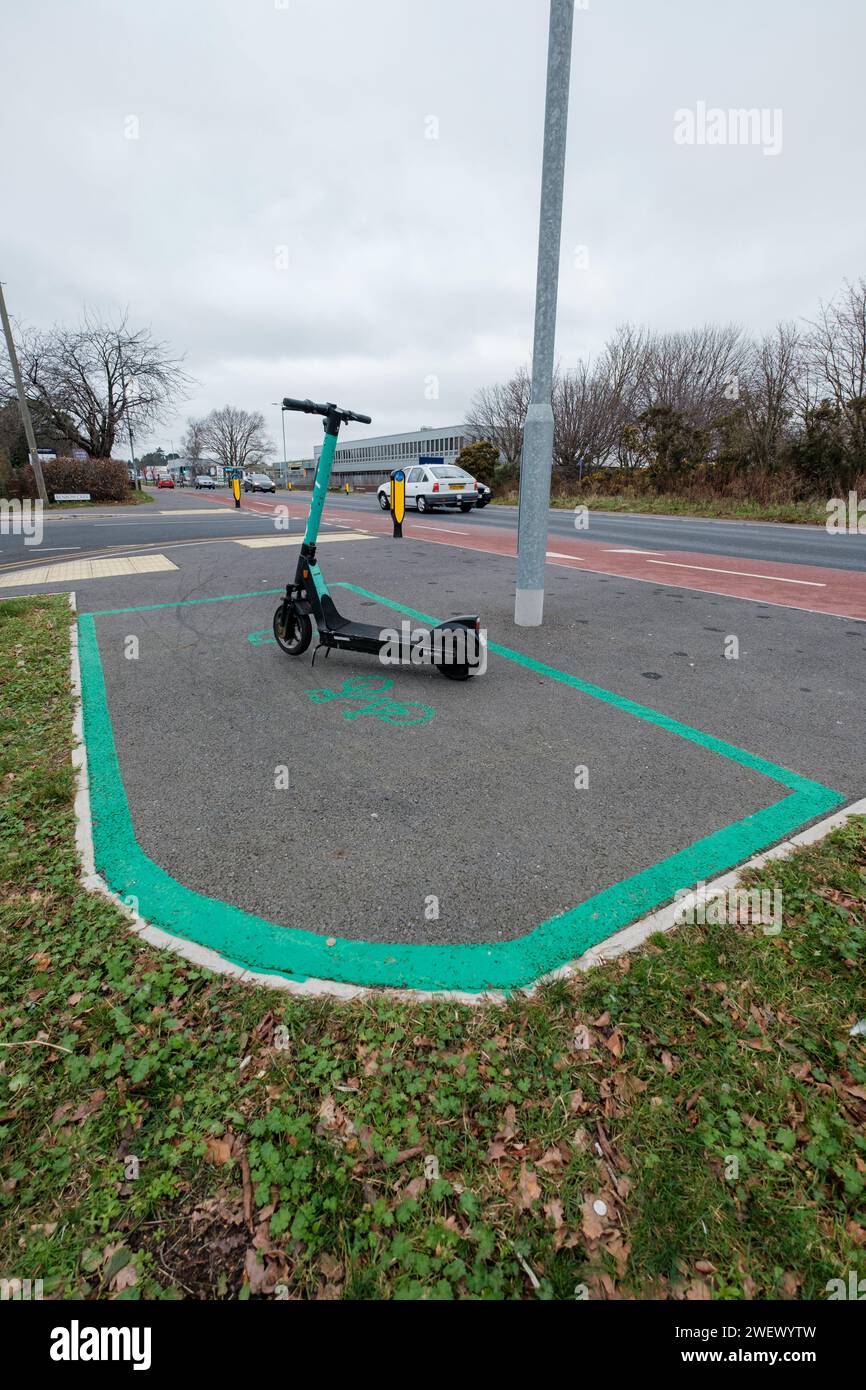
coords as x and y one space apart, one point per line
323 478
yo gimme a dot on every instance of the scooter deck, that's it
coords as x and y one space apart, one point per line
345 629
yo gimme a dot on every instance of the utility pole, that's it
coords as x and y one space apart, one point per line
538 435
128 408
132 456
283 418
35 461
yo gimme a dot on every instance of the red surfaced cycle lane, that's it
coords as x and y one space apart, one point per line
841 593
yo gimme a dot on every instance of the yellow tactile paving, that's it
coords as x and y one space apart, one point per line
76 570
265 542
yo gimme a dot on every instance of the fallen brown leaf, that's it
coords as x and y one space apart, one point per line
529 1189
218 1151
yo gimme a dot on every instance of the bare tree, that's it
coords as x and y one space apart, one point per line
585 418
498 413
624 365
696 373
611 397
194 441
837 357
593 403
772 384
236 437
91 381
837 345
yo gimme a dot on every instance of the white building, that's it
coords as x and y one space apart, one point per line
369 461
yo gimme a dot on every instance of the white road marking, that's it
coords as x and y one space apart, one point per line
452 530
631 552
266 542
159 521
739 574
718 593
87 569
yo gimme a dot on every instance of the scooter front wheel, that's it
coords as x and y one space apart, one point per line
293 630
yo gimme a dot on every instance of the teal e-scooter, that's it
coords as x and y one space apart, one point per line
454 647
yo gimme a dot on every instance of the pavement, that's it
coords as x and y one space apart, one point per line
376 825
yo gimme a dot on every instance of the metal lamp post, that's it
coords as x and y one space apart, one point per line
538 435
283 419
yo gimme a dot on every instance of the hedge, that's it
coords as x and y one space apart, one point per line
107 480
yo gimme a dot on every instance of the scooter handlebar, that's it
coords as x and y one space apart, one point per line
310 408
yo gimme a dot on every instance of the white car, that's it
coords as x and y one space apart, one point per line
430 485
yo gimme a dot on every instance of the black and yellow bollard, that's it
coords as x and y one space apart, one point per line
398 502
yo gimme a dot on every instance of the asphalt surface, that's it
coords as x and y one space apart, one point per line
477 806
795 545
73 532
70 533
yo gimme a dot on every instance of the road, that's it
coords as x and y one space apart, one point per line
793 545
186 516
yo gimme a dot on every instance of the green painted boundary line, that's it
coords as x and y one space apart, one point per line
181 603
620 702
295 953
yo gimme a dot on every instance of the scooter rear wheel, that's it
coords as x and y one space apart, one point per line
293 630
454 673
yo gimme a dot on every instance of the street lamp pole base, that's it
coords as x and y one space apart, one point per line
529 607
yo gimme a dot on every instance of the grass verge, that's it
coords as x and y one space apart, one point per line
803 513
688 1123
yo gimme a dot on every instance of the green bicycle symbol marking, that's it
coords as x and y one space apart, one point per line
403 713
378 705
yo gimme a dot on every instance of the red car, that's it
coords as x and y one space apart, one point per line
165 482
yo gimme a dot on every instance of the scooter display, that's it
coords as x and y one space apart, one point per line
454 647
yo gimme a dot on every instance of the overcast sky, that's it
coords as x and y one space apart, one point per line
283 220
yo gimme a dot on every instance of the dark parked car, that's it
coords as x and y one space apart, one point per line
259 482
484 496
